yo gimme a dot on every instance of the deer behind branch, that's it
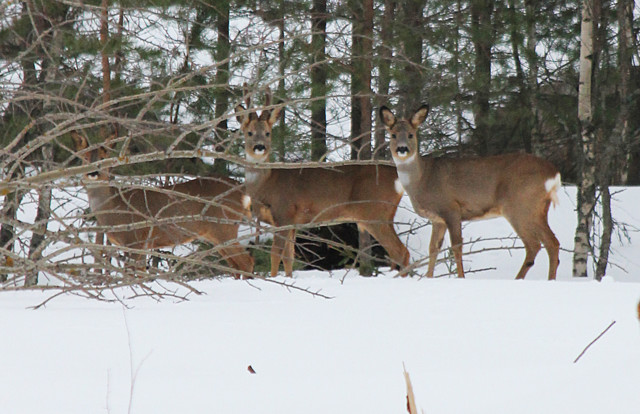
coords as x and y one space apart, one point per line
205 208
365 194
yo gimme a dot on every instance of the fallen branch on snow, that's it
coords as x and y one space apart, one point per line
592 342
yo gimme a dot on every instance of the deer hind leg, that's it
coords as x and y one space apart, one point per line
386 235
437 236
224 237
532 247
527 231
552 245
135 264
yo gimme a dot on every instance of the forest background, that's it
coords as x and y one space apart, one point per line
557 79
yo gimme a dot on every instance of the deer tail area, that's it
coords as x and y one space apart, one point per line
552 185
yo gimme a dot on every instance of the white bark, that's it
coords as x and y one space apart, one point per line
586 180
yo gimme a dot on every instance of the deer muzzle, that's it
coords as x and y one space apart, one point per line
402 151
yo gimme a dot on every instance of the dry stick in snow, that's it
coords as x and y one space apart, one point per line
411 400
592 342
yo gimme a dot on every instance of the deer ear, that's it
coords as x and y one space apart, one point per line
240 116
419 116
388 119
110 142
275 115
79 141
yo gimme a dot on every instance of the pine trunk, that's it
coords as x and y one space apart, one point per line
319 81
411 34
223 48
385 56
280 128
532 81
482 38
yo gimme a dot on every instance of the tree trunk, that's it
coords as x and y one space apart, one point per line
40 229
625 45
223 48
385 55
458 75
361 110
362 51
411 33
523 98
482 38
356 77
532 80
280 128
587 175
104 39
607 231
8 218
318 81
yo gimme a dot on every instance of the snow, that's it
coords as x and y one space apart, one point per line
486 344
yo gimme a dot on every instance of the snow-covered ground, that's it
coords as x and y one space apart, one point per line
486 344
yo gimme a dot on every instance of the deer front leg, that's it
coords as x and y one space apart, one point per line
238 258
454 225
289 252
277 250
437 236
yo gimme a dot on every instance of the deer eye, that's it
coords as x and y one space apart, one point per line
410 136
250 133
393 136
267 133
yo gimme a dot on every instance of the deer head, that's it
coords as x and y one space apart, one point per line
90 156
403 133
257 129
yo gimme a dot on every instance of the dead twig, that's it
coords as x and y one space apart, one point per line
411 399
592 342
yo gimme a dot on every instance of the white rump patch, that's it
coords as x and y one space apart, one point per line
553 183
246 201
551 186
398 185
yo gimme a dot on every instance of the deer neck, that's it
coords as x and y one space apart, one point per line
100 195
256 177
409 171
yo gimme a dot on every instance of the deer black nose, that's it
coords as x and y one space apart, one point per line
402 151
259 149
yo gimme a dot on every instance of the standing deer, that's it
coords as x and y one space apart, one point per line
203 208
519 187
365 194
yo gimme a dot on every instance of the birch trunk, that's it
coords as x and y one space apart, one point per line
587 175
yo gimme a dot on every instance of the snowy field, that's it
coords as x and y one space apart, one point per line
486 344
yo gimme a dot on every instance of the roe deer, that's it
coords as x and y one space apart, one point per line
447 191
365 194
203 208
